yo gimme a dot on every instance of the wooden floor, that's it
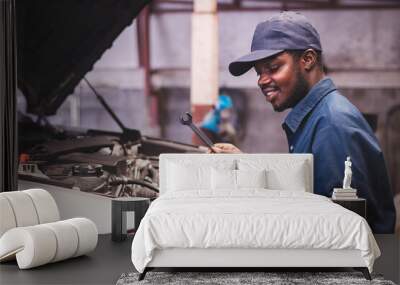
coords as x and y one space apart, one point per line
102 266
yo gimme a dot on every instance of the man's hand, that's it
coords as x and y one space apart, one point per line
225 148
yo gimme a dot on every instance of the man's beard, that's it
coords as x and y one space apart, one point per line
300 90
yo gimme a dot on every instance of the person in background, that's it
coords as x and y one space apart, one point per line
217 124
286 54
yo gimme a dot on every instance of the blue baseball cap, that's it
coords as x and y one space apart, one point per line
285 31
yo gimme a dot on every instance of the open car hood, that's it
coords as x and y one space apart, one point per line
59 41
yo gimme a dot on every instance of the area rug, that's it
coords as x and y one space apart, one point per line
243 278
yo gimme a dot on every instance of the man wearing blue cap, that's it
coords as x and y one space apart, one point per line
286 54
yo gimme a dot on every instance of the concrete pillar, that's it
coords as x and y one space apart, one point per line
204 65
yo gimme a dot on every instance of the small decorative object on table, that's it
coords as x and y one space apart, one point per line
119 207
346 193
347 196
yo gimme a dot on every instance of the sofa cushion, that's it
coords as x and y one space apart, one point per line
67 239
7 215
23 208
45 205
27 208
32 246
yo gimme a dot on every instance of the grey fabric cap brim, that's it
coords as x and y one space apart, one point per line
244 63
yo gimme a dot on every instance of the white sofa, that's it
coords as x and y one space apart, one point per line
31 231
247 210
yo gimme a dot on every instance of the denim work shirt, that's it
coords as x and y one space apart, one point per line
327 125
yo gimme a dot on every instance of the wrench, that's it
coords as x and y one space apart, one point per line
186 119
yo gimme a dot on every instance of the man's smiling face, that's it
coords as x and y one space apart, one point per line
281 80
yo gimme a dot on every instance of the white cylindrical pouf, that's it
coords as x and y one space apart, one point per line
67 239
7 218
34 246
23 207
87 234
45 205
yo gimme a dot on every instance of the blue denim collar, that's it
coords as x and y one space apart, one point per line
305 106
